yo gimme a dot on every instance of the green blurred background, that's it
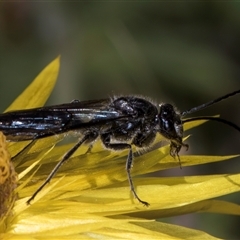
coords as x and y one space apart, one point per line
186 53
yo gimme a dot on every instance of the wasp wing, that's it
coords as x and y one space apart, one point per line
41 122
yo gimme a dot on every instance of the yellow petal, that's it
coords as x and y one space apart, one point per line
37 93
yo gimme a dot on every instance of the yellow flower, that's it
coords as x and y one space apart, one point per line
89 198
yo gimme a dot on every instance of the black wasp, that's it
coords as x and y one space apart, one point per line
119 122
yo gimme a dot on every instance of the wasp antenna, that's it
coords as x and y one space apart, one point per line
205 105
222 120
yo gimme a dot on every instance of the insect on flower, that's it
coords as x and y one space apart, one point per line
119 122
